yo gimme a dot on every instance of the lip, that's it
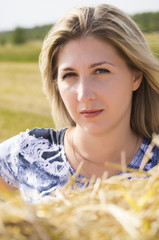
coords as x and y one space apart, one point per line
91 113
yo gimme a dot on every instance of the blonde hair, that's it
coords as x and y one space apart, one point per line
108 23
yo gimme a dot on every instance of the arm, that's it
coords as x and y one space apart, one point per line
6 185
9 161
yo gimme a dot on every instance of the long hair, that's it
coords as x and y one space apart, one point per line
112 25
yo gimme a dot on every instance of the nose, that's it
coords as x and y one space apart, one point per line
85 90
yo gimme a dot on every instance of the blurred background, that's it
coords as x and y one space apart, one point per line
23 26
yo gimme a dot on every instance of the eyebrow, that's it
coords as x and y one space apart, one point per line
91 66
68 69
100 63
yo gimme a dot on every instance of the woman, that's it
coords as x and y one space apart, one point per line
103 84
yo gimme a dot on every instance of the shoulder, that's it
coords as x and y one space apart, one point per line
49 134
155 156
33 154
31 143
41 143
151 148
38 135
147 148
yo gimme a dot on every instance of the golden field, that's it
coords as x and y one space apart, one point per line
22 102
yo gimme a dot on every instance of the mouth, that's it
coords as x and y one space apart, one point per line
91 113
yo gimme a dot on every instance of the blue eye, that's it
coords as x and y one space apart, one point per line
101 70
69 75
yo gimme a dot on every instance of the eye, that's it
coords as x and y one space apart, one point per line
101 70
69 75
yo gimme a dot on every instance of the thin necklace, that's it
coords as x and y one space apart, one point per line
76 151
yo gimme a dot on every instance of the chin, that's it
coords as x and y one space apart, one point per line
94 129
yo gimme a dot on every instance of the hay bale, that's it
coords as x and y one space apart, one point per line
114 208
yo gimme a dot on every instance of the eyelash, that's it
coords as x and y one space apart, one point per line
96 71
101 70
70 74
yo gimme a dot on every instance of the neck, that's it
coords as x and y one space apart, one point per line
96 150
104 147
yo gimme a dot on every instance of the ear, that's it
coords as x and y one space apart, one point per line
138 75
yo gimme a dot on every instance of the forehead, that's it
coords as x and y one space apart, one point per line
87 49
86 41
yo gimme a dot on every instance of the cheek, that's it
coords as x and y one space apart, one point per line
68 98
118 91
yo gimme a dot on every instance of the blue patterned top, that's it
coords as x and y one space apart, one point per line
35 162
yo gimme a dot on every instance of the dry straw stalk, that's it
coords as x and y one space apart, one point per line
108 209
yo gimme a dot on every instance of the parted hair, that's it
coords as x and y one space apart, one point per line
112 25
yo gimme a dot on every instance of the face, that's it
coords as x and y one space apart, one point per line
96 85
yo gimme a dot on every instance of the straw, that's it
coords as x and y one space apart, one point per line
106 209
